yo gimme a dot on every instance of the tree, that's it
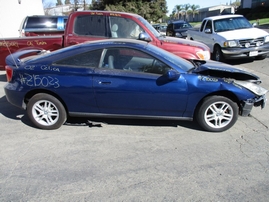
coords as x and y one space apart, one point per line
152 10
185 11
236 4
194 10
47 4
66 2
178 9
59 2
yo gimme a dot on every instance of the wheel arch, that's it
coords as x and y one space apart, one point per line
30 94
216 45
221 57
224 93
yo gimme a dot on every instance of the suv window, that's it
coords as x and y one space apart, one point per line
124 28
92 25
36 22
182 25
43 25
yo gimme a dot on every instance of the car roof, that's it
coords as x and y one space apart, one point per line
106 13
104 42
223 17
178 21
47 16
120 40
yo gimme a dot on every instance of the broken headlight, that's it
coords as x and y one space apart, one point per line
256 89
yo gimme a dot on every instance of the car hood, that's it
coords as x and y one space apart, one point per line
251 33
186 42
221 70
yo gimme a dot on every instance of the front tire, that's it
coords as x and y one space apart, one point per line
46 111
217 114
217 54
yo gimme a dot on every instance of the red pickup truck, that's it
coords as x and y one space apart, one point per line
95 25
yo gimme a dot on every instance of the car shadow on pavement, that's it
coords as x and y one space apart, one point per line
240 61
11 112
97 122
243 61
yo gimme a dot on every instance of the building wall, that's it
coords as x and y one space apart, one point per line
12 12
212 11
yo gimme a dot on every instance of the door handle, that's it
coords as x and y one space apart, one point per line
104 82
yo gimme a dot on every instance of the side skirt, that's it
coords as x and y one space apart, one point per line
100 115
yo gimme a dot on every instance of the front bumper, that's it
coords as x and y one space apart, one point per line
235 53
247 105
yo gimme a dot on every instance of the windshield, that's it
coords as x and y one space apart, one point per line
228 24
182 25
150 27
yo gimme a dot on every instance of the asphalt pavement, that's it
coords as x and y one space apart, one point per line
127 160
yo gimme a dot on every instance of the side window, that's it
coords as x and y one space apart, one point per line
133 60
124 28
92 25
87 59
202 26
208 26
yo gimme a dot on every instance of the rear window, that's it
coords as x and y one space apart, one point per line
41 22
92 25
182 25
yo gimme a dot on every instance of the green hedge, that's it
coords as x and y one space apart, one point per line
254 13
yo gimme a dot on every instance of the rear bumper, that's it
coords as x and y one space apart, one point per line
234 53
14 96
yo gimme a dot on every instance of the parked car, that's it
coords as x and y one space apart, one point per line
42 25
89 25
160 28
231 37
126 78
178 29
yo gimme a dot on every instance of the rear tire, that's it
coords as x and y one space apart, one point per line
217 113
46 111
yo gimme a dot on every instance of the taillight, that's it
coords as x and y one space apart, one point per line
9 73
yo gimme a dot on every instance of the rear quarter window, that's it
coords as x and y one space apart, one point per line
88 59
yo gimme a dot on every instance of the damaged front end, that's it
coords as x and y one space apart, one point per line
239 78
258 100
247 105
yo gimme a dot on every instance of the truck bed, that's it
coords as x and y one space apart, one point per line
11 45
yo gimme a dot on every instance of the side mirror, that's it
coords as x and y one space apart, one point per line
208 31
172 75
254 24
144 37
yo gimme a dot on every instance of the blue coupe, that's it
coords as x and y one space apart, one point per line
124 78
